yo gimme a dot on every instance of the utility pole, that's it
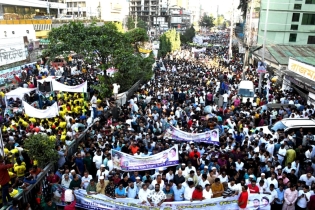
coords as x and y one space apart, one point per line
249 37
231 31
264 47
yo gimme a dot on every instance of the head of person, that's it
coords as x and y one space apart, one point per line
120 186
265 201
256 203
217 181
244 188
199 188
157 188
92 182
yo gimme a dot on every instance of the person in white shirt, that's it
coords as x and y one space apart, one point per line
271 191
263 177
158 179
143 194
116 89
281 153
272 180
66 181
223 177
307 178
85 180
303 198
239 165
170 175
262 186
189 189
102 172
98 159
207 192
203 182
288 168
94 104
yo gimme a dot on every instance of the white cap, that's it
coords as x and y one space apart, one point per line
213 168
72 171
103 165
137 177
101 177
262 174
279 167
205 167
251 176
161 169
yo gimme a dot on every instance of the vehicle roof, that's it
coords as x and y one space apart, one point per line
298 122
246 83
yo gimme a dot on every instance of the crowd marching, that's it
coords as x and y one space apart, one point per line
247 160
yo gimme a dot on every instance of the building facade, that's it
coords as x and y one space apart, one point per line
289 22
17 10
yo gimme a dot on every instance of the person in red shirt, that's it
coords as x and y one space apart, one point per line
4 180
243 199
71 205
197 194
253 188
53 178
133 148
193 153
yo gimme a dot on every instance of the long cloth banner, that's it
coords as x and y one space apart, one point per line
82 88
52 111
127 162
210 137
99 201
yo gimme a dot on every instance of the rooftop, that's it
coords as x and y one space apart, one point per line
282 53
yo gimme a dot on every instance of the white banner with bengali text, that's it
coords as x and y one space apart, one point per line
126 162
100 202
12 50
210 137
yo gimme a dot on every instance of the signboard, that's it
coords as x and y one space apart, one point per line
126 162
241 49
302 69
12 50
261 68
156 45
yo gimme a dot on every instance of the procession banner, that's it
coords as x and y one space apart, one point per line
99 201
82 88
127 162
198 50
210 137
31 111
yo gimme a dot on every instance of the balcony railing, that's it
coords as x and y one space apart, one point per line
30 21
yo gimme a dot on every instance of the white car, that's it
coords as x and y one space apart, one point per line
289 125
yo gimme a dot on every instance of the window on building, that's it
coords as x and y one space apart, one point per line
292 37
294 27
308 19
309 1
297 6
311 40
296 17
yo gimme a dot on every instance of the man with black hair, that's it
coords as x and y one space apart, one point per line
49 204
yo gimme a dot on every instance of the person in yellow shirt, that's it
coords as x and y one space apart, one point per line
13 192
19 168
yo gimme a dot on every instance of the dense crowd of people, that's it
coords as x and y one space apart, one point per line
247 161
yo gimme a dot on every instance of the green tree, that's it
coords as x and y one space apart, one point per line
114 48
142 24
219 21
188 35
39 147
169 42
130 23
206 21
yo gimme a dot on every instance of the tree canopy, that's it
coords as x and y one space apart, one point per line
131 23
169 42
110 45
219 21
188 35
206 21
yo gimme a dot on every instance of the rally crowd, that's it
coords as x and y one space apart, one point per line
247 161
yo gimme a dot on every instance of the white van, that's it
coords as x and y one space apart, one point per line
246 90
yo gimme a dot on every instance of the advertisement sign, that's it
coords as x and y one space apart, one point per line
12 50
302 69
99 201
206 137
127 162
261 68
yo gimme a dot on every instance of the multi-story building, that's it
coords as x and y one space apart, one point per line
289 22
17 10
179 18
109 10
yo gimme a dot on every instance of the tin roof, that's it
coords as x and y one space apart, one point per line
282 53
